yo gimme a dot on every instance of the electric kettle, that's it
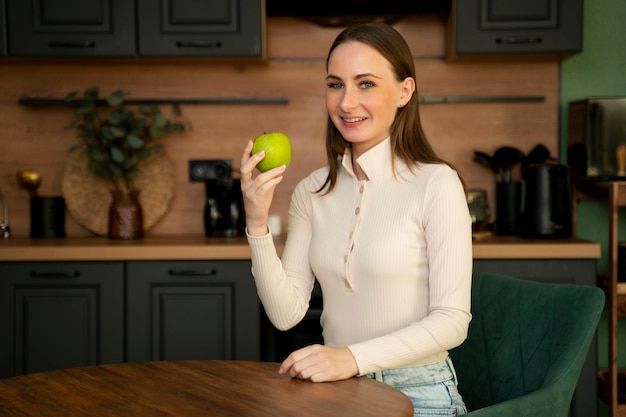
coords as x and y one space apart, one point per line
546 202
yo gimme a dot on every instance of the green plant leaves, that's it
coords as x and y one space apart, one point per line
134 142
116 98
116 137
177 127
159 121
117 155
157 132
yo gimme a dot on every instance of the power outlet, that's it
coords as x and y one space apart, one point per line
212 169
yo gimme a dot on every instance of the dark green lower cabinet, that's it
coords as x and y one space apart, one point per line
191 310
56 315
60 314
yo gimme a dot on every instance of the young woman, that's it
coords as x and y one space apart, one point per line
384 228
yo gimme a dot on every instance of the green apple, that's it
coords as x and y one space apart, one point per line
277 147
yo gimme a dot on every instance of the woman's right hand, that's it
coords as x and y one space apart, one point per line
257 192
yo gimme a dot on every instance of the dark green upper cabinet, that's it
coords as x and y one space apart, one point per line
201 28
117 28
515 27
71 27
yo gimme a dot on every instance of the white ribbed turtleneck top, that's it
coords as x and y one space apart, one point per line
392 254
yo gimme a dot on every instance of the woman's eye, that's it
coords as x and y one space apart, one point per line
366 84
335 85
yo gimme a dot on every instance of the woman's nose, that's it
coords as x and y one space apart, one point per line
349 100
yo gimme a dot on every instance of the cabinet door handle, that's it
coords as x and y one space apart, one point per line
520 39
193 272
55 275
199 44
71 44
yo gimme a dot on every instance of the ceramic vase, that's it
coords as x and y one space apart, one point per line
125 215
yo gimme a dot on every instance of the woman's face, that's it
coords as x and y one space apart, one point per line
363 95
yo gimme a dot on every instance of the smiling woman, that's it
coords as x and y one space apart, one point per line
384 229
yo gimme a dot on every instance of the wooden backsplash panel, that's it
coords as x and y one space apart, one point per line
34 138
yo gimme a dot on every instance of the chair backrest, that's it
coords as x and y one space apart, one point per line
525 336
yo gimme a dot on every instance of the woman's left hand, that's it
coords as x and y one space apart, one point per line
318 363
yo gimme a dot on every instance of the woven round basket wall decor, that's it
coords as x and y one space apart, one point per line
88 197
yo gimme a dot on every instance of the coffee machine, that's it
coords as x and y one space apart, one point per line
223 209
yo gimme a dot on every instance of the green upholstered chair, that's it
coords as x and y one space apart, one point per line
526 346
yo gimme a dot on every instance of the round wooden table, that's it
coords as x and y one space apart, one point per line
193 388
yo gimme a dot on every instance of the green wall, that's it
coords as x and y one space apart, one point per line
600 70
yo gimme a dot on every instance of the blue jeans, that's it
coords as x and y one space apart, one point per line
432 388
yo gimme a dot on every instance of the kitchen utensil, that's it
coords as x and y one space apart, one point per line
488 161
4 223
620 156
507 157
537 155
30 181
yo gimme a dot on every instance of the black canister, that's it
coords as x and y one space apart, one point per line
508 207
47 217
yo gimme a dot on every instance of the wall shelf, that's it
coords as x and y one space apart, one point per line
613 193
480 99
55 102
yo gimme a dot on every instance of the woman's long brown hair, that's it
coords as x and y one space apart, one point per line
408 141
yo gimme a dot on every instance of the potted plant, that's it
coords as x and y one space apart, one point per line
116 139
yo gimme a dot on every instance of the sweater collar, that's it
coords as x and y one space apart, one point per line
376 162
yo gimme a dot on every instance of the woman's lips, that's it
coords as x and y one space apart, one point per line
353 120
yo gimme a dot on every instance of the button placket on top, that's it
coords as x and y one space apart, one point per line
348 282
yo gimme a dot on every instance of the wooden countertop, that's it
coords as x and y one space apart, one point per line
214 248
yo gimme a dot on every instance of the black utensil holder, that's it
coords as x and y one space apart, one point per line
47 217
508 207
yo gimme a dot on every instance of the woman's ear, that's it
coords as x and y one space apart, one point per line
406 91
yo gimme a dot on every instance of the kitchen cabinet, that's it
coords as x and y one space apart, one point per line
191 310
192 28
480 28
3 27
60 314
71 27
56 315
107 28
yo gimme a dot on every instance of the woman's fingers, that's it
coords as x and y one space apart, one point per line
249 162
